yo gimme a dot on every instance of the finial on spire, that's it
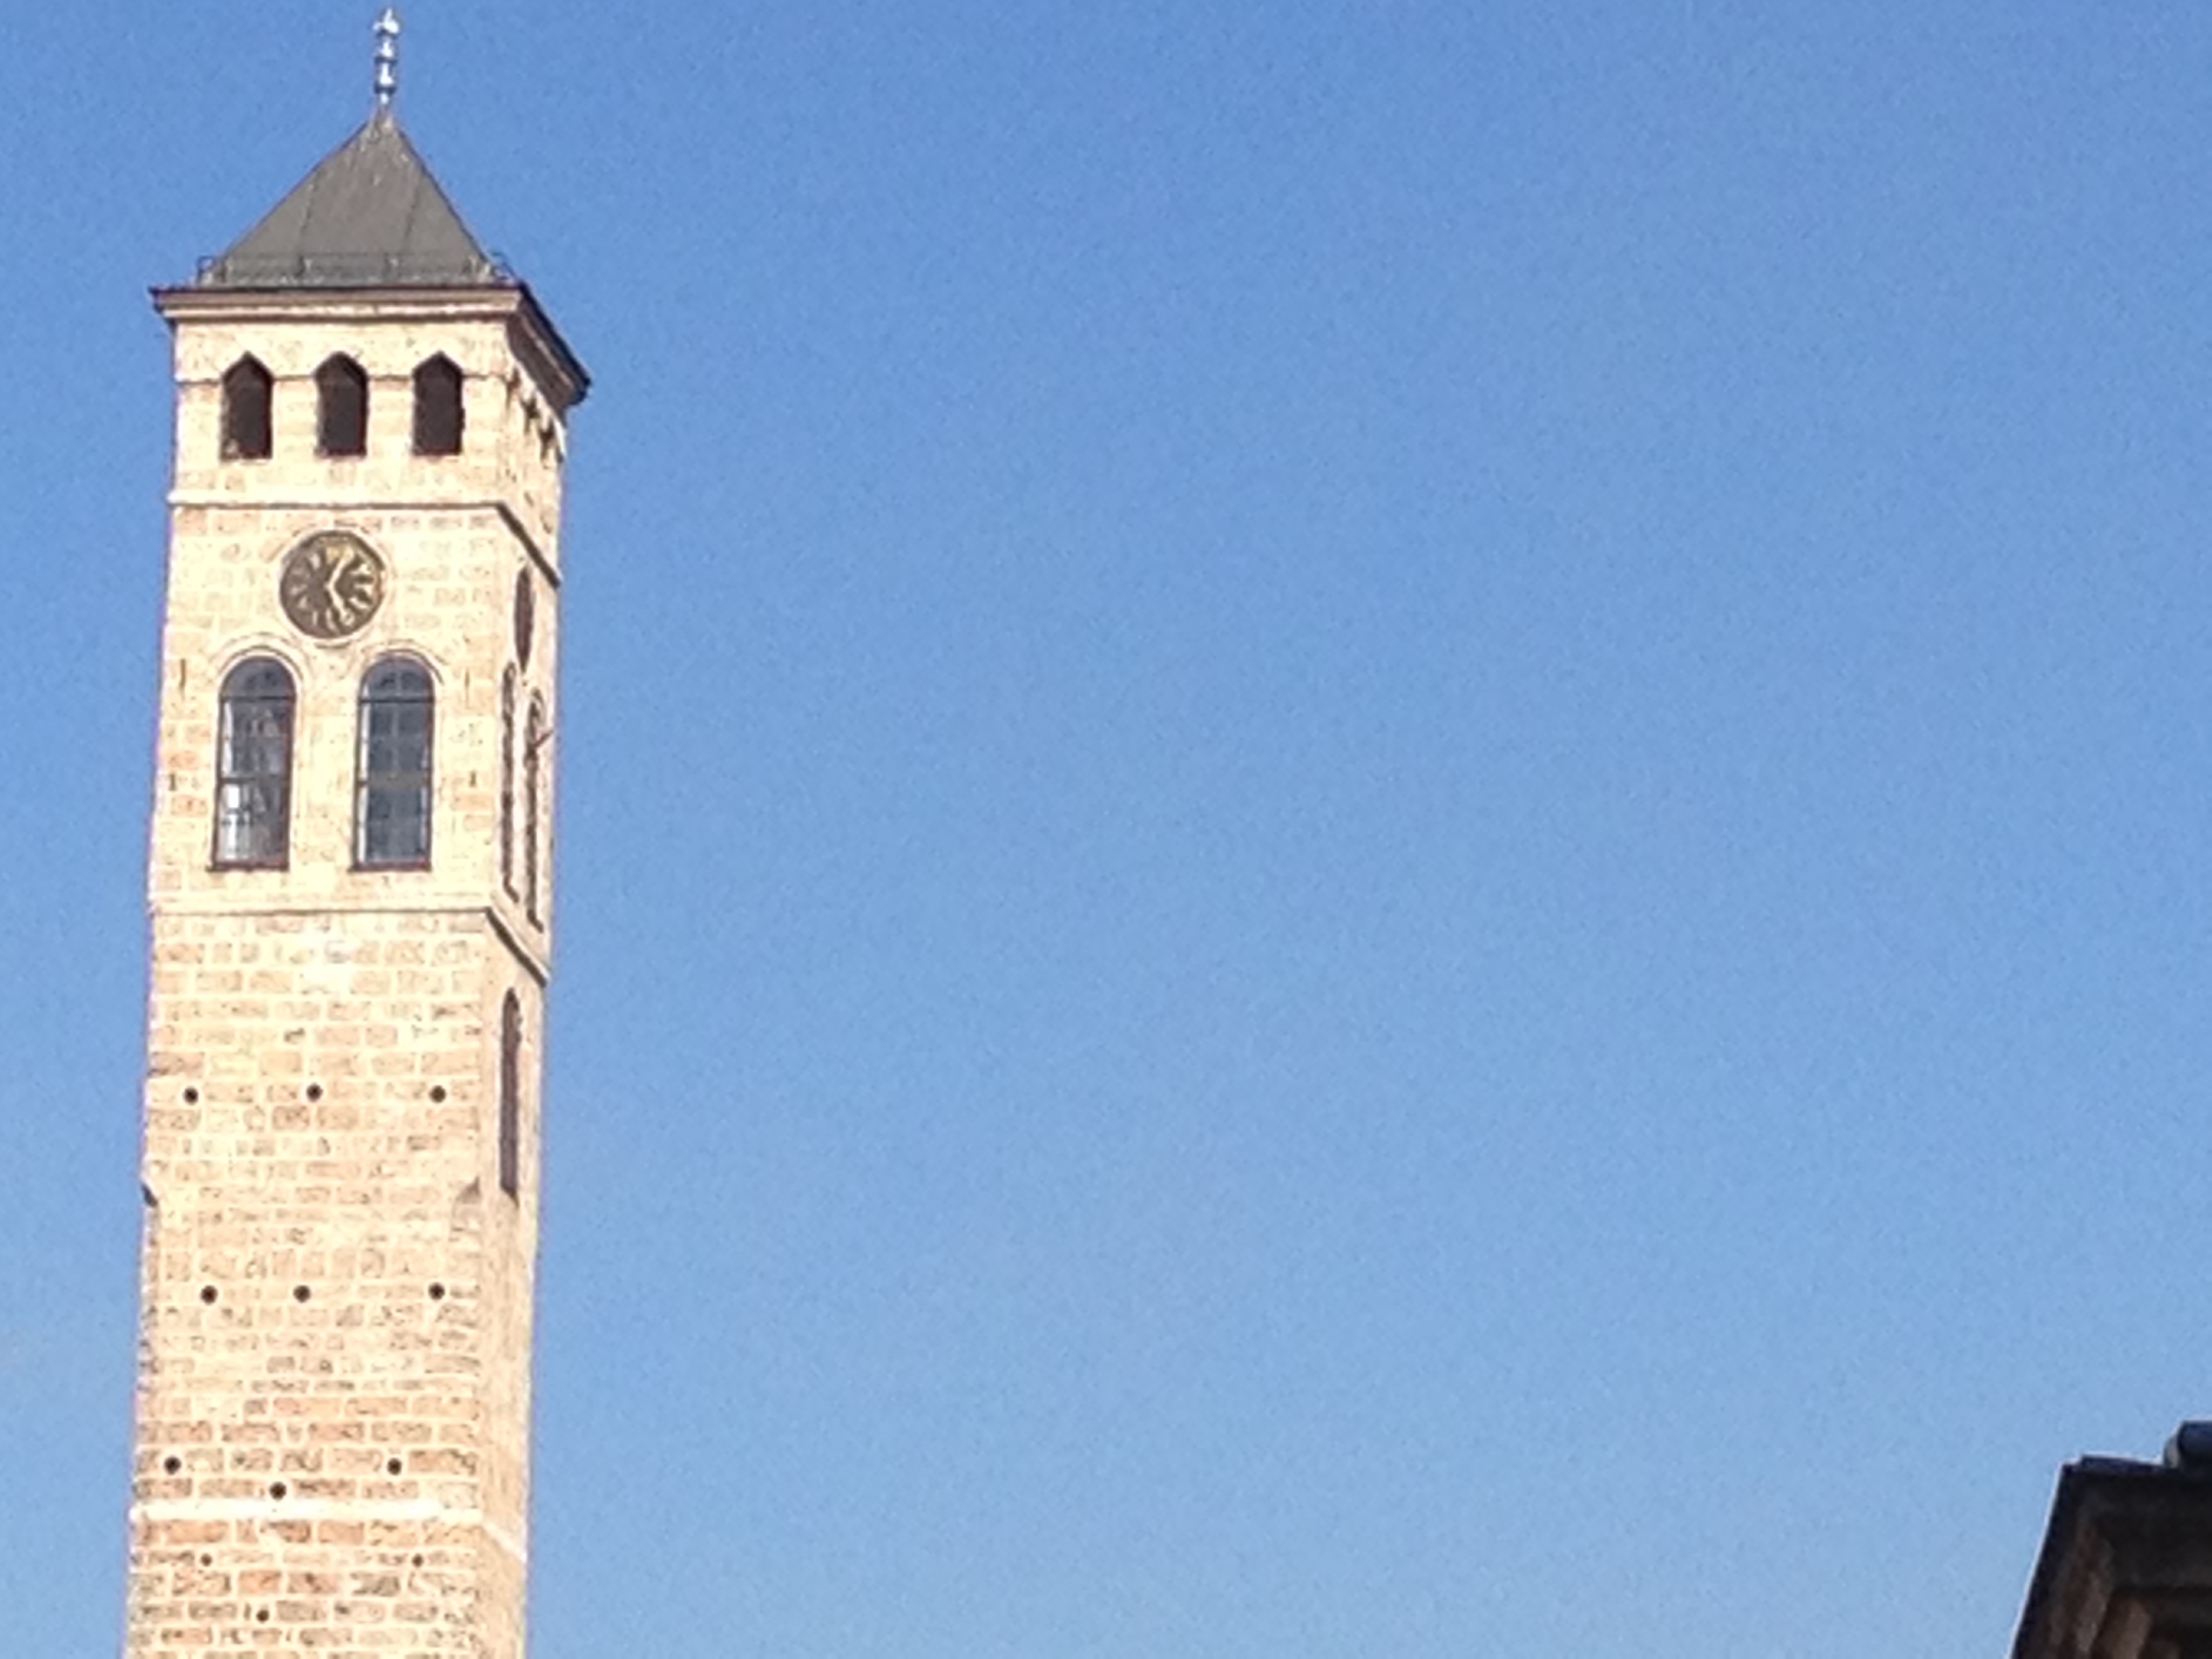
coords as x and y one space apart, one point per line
387 57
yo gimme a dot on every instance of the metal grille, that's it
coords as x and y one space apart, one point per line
354 271
253 767
393 811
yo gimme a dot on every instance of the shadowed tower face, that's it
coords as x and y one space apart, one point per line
350 888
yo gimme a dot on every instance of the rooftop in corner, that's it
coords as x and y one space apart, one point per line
370 215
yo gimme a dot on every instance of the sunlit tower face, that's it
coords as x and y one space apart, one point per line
351 881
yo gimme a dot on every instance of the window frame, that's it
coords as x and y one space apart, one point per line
422 779
229 695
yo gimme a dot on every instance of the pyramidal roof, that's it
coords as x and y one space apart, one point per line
369 216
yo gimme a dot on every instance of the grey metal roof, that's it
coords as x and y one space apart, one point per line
369 216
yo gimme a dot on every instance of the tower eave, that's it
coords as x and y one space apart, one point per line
562 373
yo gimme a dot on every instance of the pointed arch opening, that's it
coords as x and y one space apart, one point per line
253 767
392 811
248 403
441 418
341 408
510 1096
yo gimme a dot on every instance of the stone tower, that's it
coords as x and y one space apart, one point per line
350 893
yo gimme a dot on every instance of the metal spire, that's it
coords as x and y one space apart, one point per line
387 57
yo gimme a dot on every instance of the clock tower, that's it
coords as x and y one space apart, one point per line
350 893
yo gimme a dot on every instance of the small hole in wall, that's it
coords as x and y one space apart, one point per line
209 1293
300 1293
314 1091
262 1617
192 1096
418 1560
395 1467
207 1560
438 1093
437 1293
173 1465
280 1491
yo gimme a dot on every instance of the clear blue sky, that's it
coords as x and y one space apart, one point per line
1385 824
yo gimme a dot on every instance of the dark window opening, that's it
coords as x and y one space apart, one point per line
248 430
392 813
253 767
510 1096
439 417
506 784
341 406
526 616
533 807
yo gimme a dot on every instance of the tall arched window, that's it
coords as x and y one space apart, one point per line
510 1096
342 408
507 783
253 767
533 807
392 811
248 433
439 417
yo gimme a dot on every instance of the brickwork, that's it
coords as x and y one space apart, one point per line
332 1451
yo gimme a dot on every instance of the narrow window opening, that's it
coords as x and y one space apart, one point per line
391 809
253 767
506 784
510 1096
439 416
533 807
342 405
248 431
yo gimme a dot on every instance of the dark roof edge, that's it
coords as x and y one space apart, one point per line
549 340
2079 1482
2042 1585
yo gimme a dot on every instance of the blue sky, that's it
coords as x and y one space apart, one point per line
1383 824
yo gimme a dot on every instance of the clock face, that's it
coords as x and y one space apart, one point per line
331 586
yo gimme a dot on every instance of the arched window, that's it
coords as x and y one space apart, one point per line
510 1096
342 408
506 784
392 809
247 392
253 767
439 416
533 807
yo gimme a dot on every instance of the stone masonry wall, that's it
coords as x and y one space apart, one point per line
332 1451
